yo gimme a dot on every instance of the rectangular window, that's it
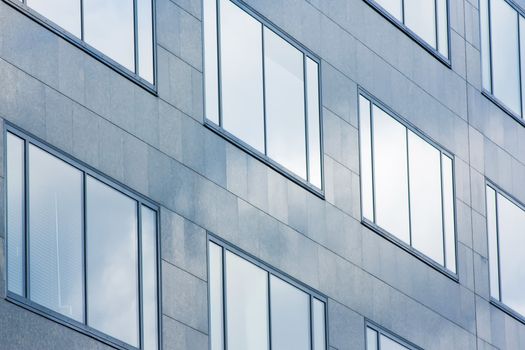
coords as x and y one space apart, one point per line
121 30
251 307
79 249
426 19
262 89
379 339
503 54
505 222
406 185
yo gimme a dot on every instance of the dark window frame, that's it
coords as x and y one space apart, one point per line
447 61
93 52
384 233
140 200
382 331
265 159
271 271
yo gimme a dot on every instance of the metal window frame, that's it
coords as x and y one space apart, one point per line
263 157
382 331
372 225
140 201
270 271
447 61
499 303
132 76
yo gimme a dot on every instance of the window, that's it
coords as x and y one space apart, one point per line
121 30
378 339
503 56
505 222
251 307
262 89
407 185
78 249
426 19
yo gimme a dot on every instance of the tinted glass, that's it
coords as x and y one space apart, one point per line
390 174
242 75
318 327
420 17
65 13
371 339
386 343
15 215
290 310
211 68
505 56
314 134
425 197
485 44
145 39
216 297
112 295
56 240
394 7
492 231
285 118
448 214
149 277
442 25
246 305
367 199
109 28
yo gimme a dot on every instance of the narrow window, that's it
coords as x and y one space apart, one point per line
378 339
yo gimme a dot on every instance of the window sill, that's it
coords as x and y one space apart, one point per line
393 239
439 56
264 159
502 106
99 56
509 311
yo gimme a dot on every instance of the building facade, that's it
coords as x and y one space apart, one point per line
249 174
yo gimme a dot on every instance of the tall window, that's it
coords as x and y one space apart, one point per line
262 89
251 308
506 239
120 29
427 19
378 339
407 186
503 55
78 248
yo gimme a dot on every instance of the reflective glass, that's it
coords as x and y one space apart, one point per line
385 343
492 229
56 240
15 215
109 28
390 174
216 297
145 39
371 339
448 213
65 13
314 133
319 326
285 117
211 68
367 193
425 197
241 75
420 17
505 55
485 44
394 7
246 305
442 26
149 277
290 311
112 277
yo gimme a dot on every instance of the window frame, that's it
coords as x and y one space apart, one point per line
494 301
382 331
141 201
384 233
244 146
271 271
447 61
20 6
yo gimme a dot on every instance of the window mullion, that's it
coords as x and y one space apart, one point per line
500 298
306 115
269 299
135 36
443 229
263 60
408 187
84 245
26 219
140 275
81 20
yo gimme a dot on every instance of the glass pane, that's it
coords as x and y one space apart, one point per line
246 305
242 75
56 240
420 17
285 118
386 343
211 69
448 213
522 63
65 13
511 220
492 229
367 194
394 7
15 215
319 324
442 24
390 174
314 134
112 253
505 56
216 297
145 39
371 339
485 44
425 197
108 27
149 277
290 310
